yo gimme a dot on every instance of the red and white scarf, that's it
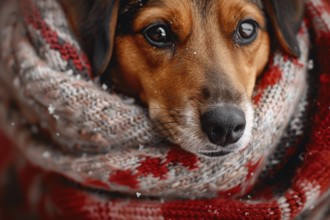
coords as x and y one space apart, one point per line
67 126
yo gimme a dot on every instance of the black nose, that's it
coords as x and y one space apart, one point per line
224 125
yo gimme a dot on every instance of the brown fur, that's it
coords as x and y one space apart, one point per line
206 64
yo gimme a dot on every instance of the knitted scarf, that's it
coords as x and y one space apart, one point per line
90 153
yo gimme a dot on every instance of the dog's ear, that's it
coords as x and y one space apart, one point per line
286 18
94 22
99 33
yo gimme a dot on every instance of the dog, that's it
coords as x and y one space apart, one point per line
194 63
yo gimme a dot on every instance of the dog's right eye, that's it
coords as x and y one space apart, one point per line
158 35
246 32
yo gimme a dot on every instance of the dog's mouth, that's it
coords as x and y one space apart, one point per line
215 153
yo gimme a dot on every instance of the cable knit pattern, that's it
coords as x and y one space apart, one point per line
63 121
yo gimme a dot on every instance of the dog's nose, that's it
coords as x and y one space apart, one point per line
224 125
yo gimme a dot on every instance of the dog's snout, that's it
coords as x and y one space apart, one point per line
224 125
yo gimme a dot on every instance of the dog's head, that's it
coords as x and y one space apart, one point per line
193 62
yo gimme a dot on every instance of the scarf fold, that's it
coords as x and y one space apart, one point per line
63 121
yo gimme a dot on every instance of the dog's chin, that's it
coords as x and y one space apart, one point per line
187 133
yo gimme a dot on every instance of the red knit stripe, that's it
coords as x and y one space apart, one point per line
220 209
296 200
315 169
153 167
124 178
272 76
177 155
67 50
71 203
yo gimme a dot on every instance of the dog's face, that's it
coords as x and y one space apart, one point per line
194 63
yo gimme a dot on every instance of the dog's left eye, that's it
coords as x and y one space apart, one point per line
246 32
158 35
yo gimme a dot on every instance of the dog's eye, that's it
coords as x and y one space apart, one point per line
246 32
158 35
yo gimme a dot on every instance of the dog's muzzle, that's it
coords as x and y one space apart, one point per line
223 125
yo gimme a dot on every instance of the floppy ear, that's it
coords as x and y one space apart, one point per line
99 33
286 18
94 22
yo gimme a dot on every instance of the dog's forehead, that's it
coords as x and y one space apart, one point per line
206 3
140 3
129 8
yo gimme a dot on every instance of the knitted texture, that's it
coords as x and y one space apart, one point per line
84 120
103 141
